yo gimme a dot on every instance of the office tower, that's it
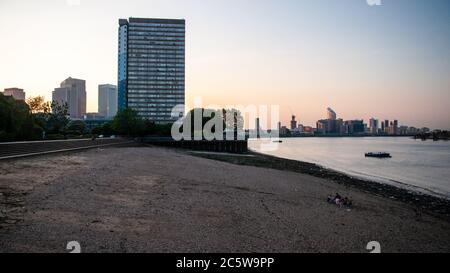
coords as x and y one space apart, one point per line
331 114
293 123
330 126
151 67
73 92
16 93
107 100
395 127
354 127
386 126
402 130
373 125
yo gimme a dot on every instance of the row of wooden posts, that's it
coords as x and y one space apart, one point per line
222 146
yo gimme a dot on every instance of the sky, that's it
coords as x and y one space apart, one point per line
388 61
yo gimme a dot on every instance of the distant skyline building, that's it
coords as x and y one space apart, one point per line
330 125
386 126
107 100
151 62
73 92
354 127
15 92
284 131
373 126
336 126
331 114
395 127
293 123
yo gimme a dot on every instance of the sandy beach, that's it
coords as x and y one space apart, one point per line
150 199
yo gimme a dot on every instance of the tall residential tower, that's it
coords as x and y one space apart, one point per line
151 66
293 123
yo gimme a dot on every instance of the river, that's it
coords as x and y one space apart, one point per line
416 165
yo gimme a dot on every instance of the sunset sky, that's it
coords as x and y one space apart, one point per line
390 61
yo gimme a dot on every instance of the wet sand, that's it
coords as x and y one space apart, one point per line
139 199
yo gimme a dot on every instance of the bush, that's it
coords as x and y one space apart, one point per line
76 127
16 120
128 123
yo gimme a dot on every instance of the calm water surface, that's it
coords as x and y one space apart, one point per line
417 165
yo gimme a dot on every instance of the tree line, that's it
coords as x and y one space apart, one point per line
36 119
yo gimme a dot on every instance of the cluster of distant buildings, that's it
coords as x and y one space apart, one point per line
72 92
151 74
333 126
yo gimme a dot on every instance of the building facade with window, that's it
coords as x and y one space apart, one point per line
73 93
107 100
16 93
151 67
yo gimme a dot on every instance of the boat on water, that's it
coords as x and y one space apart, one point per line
379 155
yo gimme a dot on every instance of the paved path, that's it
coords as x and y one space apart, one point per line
9 150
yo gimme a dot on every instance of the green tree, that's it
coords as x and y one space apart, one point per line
58 119
150 127
39 105
75 127
127 122
106 129
164 130
16 121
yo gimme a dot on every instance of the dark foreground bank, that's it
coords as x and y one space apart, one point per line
151 199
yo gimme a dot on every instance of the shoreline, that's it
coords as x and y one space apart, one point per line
156 199
336 136
439 206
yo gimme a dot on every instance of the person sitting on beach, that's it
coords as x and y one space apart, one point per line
330 199
337 198
347 202
337 201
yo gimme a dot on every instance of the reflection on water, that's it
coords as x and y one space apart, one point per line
419 165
